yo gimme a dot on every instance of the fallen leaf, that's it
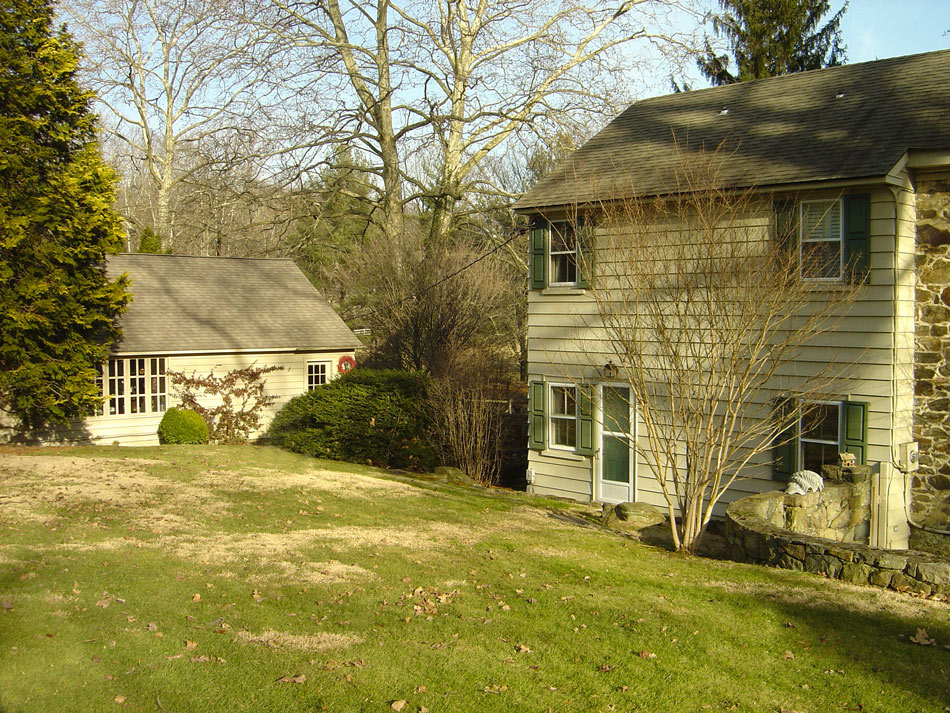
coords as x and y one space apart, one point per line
120 699
190 644
606 668
196 597
522 649
176 656
921 638
152 626
789 655
420 689
104 603
398 705
299 678
644 654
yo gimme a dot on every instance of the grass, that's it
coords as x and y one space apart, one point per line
248 579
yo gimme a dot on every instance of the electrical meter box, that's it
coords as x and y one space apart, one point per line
909 456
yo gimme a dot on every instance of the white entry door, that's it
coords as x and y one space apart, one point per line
617 461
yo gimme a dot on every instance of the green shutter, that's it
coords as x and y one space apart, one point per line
857 237
786 225
854 430
537 426
539 256
585 420
785 450
585 252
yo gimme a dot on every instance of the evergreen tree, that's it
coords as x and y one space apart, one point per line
768 38
149 242
58 309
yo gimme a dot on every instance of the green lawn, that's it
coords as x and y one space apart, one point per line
248 579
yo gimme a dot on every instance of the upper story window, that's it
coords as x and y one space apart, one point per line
829 238
563 254
133 386
821 242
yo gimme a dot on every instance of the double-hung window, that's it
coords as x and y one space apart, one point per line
561 416
821 249
561 253
819 432
829 237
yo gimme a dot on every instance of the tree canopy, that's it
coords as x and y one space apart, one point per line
58 309
768 38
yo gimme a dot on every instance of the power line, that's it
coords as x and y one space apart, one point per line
427 288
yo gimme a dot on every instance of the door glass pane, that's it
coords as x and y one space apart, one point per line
617 409
616 459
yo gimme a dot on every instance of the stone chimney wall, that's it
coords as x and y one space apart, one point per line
931 484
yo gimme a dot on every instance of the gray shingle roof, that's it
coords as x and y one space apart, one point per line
789 129
183 303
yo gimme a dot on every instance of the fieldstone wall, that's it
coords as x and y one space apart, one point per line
930 501
753 536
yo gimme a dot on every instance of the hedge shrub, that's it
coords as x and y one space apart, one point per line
181 425
366 416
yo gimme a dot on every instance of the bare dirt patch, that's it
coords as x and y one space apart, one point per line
327 481
34 487
322 641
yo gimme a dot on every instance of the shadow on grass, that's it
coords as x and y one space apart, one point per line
877 641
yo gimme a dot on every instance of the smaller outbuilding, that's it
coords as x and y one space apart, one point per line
201 314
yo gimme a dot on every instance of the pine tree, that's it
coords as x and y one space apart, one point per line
768 38
58 309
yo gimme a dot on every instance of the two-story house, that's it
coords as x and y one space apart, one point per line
861 156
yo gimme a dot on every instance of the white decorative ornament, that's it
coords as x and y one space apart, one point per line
804 481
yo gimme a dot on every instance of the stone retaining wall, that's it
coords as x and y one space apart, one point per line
753 536
930 502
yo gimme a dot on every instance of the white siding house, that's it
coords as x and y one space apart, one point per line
853 141
199 315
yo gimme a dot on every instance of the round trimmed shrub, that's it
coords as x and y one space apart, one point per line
366 416
182 425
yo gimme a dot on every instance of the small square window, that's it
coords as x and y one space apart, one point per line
317 374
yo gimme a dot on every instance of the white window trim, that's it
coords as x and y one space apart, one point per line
802 440
551 254
802 240
328 372
552 417
106 383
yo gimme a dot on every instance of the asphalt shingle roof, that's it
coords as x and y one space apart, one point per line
183 303
848 122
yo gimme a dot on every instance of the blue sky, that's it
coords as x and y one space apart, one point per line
875 29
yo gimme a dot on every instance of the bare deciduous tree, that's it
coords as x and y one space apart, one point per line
169 76
441 85
707 318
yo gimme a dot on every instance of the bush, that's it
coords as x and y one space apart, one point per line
366 416
181 425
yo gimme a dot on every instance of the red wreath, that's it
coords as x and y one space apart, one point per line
346 363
